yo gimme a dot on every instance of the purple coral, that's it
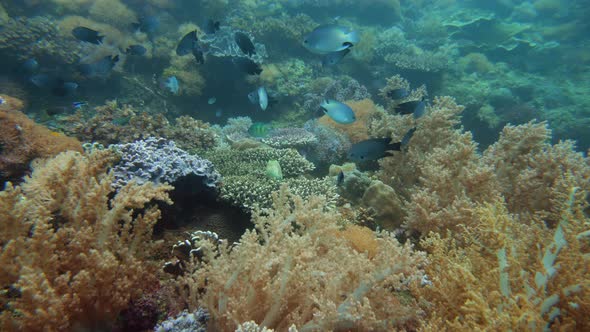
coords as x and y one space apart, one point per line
159 160
331 146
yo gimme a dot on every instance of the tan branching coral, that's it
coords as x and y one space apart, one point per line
531 171
511 275
290 271
73 253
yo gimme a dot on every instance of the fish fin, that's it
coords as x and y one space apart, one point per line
397 146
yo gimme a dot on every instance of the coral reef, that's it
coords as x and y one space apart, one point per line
331 145
191 82
22 140
289 271
30 37
191 134
290 137
338 88
158 160
73 252
357 131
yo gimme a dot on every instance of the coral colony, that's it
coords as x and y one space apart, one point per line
293 166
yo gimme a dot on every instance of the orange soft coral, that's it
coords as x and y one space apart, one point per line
74 251
22 140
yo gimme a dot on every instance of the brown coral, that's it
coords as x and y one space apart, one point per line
22 140
74 254
293 270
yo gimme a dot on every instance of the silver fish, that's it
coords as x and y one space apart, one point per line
337 111
330 38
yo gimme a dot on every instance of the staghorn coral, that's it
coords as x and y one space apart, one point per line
22 140
289 271
74 253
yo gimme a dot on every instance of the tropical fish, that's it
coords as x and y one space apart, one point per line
334 58
273 170
136 50
62 88
415 107
259 129
79 104
30 66
330 38
259 97
87 35
247 66
340 178
101 67
376 148
211 100
171 84
244 43
190 44
219 113
337 111
211 27
187 43
57 86
398 93
147 24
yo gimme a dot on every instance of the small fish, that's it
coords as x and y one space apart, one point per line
219 113
415 107
407 137
101 67
330 38
377 148
334 58
2 100
79 104
30 66
262 98
40 80
198 54
211 100
136 50
211 27
147 24
87 35
259 129
244 43
62 88
400 93
187 43
171 84
420 109
337 111
248 66
340 178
